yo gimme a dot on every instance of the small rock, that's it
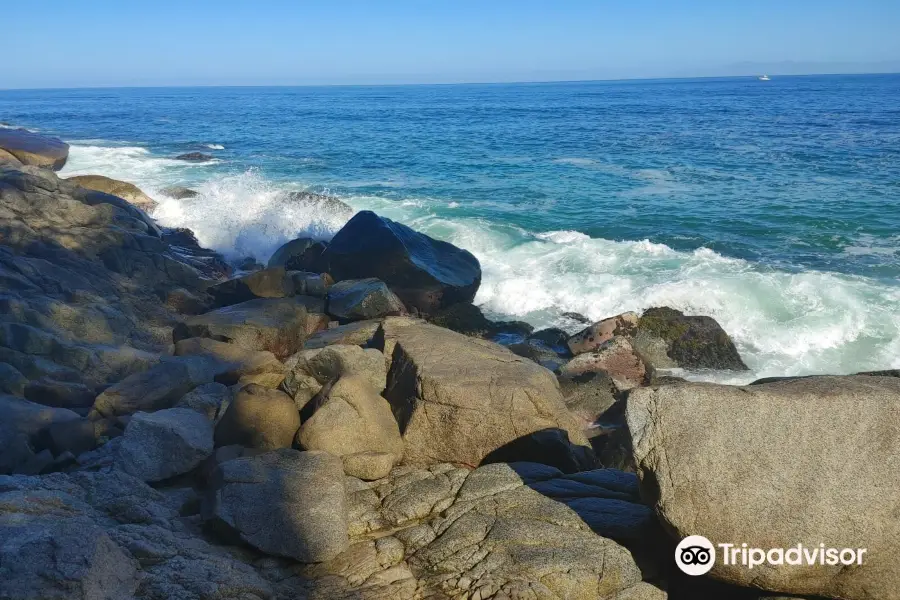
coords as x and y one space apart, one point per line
195 157
330 363
258 417
602 331
158 387
279 325
359 299
207 399
166 443
289 251
358 333
265 283
179 192
369 466
615 357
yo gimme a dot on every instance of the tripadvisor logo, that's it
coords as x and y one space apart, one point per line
696 555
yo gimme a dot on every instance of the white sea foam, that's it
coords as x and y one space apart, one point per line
783 323
246 215
214 146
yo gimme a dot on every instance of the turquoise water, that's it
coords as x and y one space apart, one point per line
772 206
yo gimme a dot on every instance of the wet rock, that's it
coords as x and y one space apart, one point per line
689 342
278 325
689 441
179 192
601 332
361 299
285 502
540 353
34 149
458 398
258 417
426 274
289 251
121 189
615 357
321 203
166 443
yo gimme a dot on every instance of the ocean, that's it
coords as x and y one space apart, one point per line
773 207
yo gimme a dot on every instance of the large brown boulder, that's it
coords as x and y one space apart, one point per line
122 189
354 419
258 417
427 274
457 399
34 149
279 325
807 461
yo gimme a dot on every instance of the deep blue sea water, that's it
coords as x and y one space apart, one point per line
772 206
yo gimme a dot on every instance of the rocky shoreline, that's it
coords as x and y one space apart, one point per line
344 423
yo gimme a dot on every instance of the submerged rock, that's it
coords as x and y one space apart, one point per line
427 274
34 149
195 157
179 192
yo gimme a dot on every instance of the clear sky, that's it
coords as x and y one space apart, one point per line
75 43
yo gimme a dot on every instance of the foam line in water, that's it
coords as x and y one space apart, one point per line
783 323
246 215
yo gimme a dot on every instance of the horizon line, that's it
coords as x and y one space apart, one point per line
446 83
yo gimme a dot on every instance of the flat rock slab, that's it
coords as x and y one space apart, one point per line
279 325
805 461
285 502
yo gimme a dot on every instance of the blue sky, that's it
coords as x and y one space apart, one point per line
279 42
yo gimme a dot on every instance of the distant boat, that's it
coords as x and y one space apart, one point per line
764 78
